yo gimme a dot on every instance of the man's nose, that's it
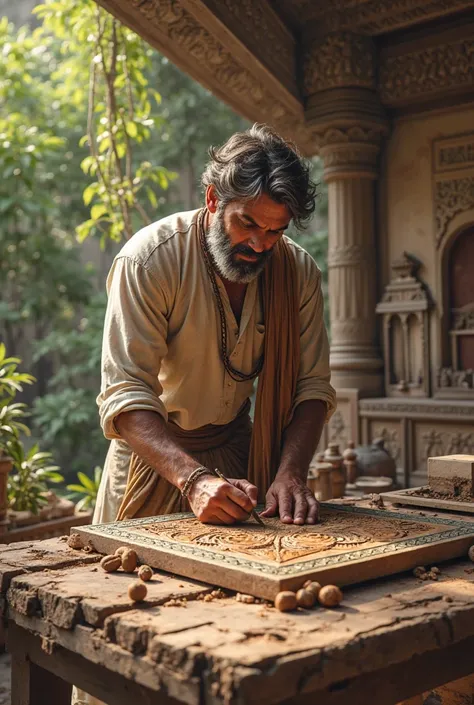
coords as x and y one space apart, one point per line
258 244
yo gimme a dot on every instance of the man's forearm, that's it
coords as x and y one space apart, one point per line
147 435
302 437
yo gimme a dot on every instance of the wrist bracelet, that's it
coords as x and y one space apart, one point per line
198 472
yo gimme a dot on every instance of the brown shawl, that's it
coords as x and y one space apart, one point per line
227 447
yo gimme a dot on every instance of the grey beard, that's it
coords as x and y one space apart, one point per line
224 255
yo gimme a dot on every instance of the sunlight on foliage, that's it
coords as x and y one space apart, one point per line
104 65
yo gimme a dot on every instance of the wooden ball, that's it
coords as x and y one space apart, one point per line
145 573
313 587
137 591
110 563
129 560
330 596
471 553
305 598
285 601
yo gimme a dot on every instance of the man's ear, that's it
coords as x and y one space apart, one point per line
211 199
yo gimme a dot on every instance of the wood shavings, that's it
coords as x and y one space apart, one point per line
181 602
246 599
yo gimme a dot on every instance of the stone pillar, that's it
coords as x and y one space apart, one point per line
348 125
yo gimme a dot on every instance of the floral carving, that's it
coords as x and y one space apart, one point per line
254 19
452 196
280 543
426 71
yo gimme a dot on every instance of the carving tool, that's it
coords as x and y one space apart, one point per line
254 511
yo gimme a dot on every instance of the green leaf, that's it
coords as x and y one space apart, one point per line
89 194
131 129
86 480
98 210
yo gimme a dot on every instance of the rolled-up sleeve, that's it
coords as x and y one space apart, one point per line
134 343
314 372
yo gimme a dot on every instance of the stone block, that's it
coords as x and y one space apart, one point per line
452 475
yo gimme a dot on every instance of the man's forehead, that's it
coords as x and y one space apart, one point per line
265 212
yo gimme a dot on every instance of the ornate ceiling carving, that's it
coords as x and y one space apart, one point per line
244 54
250 20
366 16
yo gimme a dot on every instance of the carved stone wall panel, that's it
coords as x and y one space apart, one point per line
392 435
452 196
440 439
427 427
344 423
426 70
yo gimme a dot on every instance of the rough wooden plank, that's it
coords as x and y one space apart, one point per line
38 556
88 594
94 648
348 545
114 688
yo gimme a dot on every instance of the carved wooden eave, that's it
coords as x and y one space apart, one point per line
217 42
277 61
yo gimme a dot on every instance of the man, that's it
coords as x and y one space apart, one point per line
200 305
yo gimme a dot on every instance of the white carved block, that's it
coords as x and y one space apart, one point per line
452 475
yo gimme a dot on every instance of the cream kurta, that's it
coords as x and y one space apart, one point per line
161 347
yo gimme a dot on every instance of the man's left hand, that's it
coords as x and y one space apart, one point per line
290 497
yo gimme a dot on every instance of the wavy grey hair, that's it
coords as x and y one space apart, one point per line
259 161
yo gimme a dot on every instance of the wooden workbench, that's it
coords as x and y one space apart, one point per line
69 620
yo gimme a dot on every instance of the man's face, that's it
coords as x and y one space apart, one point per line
242 235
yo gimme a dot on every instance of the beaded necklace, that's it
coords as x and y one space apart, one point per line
236 375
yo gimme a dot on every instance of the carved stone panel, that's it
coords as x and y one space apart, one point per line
422 71
453 169
440 439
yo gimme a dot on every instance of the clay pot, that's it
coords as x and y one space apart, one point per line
370 485
375 460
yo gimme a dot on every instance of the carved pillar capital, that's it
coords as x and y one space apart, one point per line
338 59
348 127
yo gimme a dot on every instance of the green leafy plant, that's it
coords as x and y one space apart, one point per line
32 469
66 417
86 489
106 67
28 484
12 413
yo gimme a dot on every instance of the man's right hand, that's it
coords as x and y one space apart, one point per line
215 501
